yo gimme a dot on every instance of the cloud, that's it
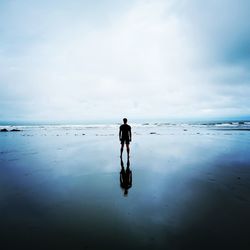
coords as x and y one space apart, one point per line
220 28
143 59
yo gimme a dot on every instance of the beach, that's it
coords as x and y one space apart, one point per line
60 187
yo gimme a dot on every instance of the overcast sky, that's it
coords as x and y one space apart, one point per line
106 59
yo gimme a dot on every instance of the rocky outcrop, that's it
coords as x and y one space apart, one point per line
3 130
12 130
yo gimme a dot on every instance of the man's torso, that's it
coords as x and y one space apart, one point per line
125 130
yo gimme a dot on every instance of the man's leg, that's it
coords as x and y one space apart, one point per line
122 145
128 150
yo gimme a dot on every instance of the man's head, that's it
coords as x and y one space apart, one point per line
125 120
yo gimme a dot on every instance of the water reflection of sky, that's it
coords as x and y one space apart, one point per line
183 184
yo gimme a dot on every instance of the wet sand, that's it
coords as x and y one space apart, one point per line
60 189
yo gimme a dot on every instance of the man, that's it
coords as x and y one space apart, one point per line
125 135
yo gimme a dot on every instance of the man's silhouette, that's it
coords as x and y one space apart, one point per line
125 135
125 177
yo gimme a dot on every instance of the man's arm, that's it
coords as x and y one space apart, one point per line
130 135
120 134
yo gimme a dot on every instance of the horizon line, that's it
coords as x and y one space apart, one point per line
117 121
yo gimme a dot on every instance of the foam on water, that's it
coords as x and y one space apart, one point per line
242 125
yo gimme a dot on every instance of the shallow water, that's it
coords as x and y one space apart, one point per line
60 188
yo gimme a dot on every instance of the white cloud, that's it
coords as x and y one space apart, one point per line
144 63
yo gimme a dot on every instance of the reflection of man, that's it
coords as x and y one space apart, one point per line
125 135
125 177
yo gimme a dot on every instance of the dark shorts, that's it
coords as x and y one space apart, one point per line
125 140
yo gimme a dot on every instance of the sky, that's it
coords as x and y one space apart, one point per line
109 59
